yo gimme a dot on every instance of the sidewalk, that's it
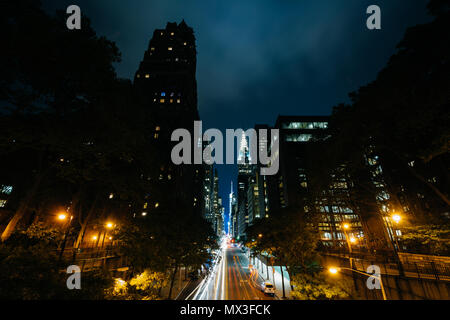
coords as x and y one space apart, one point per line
273 275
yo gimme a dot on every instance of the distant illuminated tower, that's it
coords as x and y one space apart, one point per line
244 154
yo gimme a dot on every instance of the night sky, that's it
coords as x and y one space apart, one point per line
259 59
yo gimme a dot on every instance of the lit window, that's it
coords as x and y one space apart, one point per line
172 33
170 48
144 214
147 76
298 137
163 94
3 203
7 189
185 43
156 135
145 205
162 100
171 100
152 48
111 195
157 205
138 75
162 33
158 128
178 100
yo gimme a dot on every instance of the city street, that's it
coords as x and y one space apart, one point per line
231 279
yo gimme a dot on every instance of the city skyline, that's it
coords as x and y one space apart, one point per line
294 151
331 61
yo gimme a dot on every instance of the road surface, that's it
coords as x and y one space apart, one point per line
231 279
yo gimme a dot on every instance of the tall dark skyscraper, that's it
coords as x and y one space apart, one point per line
165 84
166 76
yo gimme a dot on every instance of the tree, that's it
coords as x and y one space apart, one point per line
430 239
317 287
45 80
30 269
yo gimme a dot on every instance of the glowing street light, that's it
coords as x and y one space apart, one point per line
260 235
334 271
397 218
109 225
353 239
346 226
62 217
94 238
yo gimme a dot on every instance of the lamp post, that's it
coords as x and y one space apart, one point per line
108 226
396 218
345 227
63 217
335 270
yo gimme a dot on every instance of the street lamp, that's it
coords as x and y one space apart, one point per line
63 217
397 218
345 227
108 225
334 270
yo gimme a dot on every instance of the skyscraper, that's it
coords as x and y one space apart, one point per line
165 85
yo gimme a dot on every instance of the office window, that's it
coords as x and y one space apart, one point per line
305 125
7 189
298 137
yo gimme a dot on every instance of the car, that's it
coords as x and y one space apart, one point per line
268 288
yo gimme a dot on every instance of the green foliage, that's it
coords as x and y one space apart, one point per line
431 239
37 234
163 240
30 269
288 236
144 286
317 287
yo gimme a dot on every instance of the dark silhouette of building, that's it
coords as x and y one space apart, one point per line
165 83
